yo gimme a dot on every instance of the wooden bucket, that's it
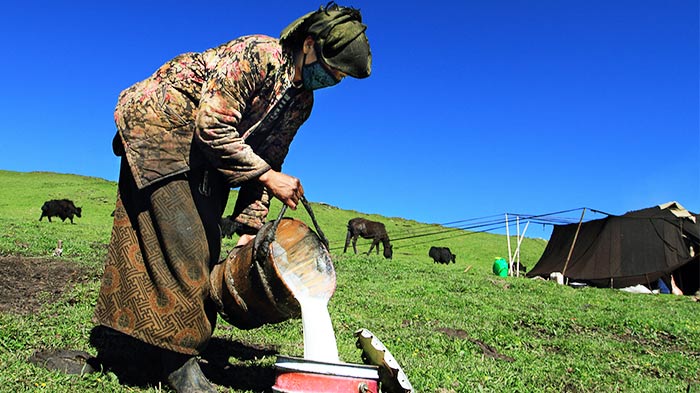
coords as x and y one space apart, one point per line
256 284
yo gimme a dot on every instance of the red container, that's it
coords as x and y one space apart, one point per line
297 375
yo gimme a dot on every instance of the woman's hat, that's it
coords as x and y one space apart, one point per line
340 36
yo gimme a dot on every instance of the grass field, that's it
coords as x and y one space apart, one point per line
453 328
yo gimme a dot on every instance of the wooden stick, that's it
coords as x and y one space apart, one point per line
517 249
510 257
571 250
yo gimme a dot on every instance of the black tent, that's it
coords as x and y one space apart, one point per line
638 247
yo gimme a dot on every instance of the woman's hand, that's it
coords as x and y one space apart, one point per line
286 188
245 239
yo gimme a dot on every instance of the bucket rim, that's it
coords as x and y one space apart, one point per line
340 369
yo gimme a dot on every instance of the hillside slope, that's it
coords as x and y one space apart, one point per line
453 328
23 193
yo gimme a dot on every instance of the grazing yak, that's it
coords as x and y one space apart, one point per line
360 227
228 227
519 267
61 208
442 255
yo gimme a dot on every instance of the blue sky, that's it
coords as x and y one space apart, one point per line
474 108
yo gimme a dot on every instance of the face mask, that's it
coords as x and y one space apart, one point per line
315 76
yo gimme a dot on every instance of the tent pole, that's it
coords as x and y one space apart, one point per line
516 258
571 250
646 277
510 257
517 250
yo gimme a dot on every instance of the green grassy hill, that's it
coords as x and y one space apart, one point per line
453 328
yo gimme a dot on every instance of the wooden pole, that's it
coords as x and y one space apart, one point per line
510 257
517 236
517 250
571 250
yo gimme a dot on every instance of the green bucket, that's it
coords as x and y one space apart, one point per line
500 267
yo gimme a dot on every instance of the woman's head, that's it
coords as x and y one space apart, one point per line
338 36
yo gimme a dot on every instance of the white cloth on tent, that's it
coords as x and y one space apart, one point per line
677 210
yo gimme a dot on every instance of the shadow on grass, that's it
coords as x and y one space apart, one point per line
138 364
215 365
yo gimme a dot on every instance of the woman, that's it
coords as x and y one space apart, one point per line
201 124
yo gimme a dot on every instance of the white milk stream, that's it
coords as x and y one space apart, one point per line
312 290
319 337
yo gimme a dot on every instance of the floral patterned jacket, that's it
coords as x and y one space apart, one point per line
208 109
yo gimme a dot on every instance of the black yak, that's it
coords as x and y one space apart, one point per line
519 267
442 255
61 208
360 227
228 227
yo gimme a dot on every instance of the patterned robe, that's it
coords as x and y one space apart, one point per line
201 124
219 98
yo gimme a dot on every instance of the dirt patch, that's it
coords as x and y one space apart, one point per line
28 283
454 333
485 348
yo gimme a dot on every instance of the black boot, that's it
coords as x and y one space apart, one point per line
185 376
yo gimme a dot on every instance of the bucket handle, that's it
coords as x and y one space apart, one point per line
307 205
